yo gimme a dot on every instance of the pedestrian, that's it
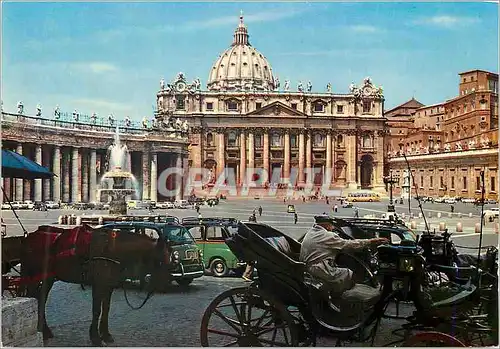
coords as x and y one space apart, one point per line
335 208
253 218
247 274
303 199
356 212
200 218
260 211
452 208
295 218
327 201
197 208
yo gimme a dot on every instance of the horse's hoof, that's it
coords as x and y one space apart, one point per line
96 342
47 334
107 338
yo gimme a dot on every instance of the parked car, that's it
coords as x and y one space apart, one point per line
5 206
28 204
161 205
450 201
210 235
440 199
52 205
468 200
186 256
39 206
491 213
169 205
182 204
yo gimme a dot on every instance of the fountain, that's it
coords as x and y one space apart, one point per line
118 182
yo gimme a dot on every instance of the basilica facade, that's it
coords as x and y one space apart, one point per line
247 119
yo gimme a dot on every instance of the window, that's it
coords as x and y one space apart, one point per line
275 140
214 233
492 183
210 106
210 140
452 182
464 183
258 141
258 105
294 106
340 140
340 109
319 107
318 140
232 105
196 232
293 141
367 141
465 108
478 183
152 233
367 106
180 104
441 182
178 234
421 181
231 139
431 182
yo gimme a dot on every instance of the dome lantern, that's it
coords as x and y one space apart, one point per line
241 33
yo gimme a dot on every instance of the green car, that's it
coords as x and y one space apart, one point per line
186 258
210 235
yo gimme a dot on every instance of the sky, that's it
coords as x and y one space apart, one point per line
110 57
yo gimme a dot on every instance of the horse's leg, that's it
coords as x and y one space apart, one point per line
43 294
96 312
103 325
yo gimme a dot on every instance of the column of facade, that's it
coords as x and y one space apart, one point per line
310 175
265 155
334 160
154 177
251 150
7 188
19 182
93 176
85 177
350 145
178 183
75 176
221 153
145 175
38 182
27 182
302 157
286 157
379 167
46 182
66 175
56 180
243 157
329 167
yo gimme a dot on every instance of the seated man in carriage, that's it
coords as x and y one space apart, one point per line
319 251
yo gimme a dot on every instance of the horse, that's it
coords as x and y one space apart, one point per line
81 255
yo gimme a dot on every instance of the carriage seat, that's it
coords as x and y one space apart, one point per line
281 244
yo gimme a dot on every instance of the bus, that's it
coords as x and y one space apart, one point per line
363 197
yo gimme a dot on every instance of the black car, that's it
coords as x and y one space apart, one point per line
186 258
39 206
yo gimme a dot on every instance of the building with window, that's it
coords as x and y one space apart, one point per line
448 144
247 119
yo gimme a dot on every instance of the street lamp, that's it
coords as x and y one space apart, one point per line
391 180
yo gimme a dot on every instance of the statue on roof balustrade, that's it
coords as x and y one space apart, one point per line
309 86
128 122
287 85
162 84
328 87
93 118
144 122
38 110
76 116
111 119
300 87
57 112
276 83
20 108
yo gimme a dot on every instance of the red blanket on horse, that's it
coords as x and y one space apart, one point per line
58 243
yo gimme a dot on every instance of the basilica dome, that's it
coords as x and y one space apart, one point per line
241 66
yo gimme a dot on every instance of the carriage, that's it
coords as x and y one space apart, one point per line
286 306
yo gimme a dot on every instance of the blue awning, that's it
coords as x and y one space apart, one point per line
18 166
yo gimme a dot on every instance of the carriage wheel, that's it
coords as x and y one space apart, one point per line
247 317
433 339
305 325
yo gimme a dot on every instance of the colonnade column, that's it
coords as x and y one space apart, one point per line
154 177
27 182
93 175
328 170
286 157
56 181
75 178
66 173
178 183
85 177
38 182
351 161
243 157
19 182
251 150
301 157
310 174
221 153
145 175
46 182
265 155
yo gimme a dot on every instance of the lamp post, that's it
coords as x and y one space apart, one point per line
391 180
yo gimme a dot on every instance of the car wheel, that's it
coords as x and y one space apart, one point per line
218 267
183 281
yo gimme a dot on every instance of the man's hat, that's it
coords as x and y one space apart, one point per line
323 219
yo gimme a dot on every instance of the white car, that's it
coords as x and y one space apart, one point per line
182 204
439 199
52 204
492 212
450 201
468 200
29 204
169 205
161 205
5 206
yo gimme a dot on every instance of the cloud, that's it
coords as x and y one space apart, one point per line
95 67
446 21
365 29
